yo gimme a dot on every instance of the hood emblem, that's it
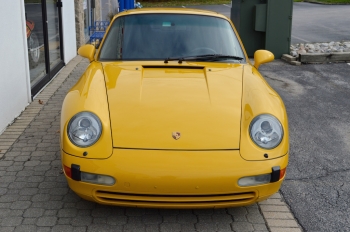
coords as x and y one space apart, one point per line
176 135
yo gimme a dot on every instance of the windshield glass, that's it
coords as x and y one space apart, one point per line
160 36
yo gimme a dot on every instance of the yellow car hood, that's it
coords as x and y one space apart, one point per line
181 107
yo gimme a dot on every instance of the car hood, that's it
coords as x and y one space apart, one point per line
182 107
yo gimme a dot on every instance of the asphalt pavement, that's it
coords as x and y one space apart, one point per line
310 22
317 185
320 23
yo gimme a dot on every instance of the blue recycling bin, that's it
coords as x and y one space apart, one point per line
126 5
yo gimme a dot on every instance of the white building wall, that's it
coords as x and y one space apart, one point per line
15 89
14 75
68 21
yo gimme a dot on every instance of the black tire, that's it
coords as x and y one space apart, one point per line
33 48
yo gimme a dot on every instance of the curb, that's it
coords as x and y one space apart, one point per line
277 215
317 58
324 57
290 59
17 127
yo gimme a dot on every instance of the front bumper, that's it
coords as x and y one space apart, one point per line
174 179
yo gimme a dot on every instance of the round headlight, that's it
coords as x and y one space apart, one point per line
84 129
266 131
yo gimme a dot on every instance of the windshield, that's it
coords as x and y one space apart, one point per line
160 36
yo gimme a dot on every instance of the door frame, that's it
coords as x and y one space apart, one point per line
50 73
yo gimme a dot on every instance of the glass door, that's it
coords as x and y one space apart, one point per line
44 38
35 40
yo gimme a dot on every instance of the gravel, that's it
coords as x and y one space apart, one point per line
330 47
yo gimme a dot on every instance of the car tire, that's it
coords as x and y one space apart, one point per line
33 48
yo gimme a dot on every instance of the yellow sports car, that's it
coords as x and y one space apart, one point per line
171 113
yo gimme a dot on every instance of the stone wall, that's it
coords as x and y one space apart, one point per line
79 22
98 10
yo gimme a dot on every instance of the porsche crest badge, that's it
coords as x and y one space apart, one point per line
176 135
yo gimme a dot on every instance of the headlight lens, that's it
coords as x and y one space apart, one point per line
266 131
84 129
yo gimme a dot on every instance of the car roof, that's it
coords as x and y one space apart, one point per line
170 11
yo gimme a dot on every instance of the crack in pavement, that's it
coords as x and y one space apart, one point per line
318 177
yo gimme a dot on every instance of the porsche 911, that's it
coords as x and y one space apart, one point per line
171 113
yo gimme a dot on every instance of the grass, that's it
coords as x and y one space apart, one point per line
182 3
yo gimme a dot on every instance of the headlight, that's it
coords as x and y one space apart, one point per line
84 129
266 131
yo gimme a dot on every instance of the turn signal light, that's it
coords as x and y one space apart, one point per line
276 175
68 171
283 172
74 173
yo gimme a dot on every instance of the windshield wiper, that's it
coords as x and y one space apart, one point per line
207 57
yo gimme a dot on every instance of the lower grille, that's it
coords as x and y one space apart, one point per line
145 200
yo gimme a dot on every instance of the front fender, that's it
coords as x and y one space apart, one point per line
88 94
259 98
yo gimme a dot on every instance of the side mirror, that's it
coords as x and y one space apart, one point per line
87 51
261 57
